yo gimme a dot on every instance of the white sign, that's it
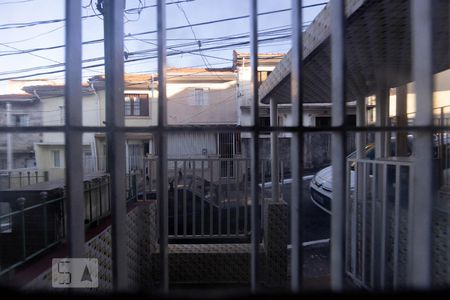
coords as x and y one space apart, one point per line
75 273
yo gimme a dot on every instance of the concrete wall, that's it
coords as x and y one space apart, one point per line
221 106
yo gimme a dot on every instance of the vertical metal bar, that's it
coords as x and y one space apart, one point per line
348 229
21 204
275 171
162 141
396 225
228 197
220 197
194 196
401 93
360 122
282 176
422 36
184 200
146 174
238 195
114 67
44 200
150 176
364 221
175 197
255 145
90 201
382 113
263 188
373 208
211 195
352 215
73 138
100 200
296 212
383 227
203 199
338 144
246 198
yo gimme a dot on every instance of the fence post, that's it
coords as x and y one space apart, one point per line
21 204
44 196
45 175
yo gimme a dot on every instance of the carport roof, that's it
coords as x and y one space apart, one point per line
378 47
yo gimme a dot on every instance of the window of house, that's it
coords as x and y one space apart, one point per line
136 105
323 122
56 156
21 120
200 97
5 221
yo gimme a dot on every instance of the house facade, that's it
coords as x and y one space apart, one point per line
16 150
196 96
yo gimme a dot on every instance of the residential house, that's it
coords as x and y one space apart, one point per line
315 114
16 149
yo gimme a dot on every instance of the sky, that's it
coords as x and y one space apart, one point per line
15 40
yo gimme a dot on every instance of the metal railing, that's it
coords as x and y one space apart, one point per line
380 195
209 198
36 228
32 230
18 179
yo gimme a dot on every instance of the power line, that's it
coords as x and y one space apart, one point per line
127 36
146 51
42 57
21 25
151 32
146 58
34 37
52 21
180 51
205 60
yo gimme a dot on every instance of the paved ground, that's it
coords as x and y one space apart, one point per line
316 256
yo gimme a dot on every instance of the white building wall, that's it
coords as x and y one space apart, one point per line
192 145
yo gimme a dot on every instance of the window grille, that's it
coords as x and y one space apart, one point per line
419 261
136 105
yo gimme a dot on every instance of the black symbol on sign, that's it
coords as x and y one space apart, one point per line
86 275
63 269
